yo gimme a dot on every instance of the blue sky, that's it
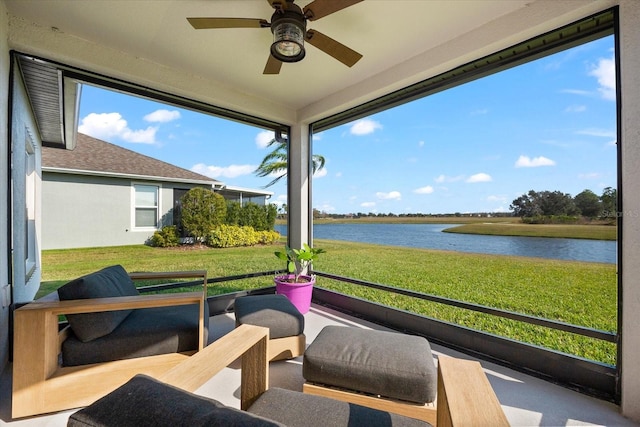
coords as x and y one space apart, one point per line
546 125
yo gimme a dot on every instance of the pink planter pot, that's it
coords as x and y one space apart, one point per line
298 293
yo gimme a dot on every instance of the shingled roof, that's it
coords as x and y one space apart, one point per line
94 156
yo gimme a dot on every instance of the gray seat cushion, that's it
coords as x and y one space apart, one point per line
146 402
145 332
305 410
275 312
109 282
383 363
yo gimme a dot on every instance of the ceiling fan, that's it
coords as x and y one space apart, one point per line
289 27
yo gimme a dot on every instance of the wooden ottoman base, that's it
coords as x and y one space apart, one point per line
425 412
287 347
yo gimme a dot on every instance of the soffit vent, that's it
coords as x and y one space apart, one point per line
43 82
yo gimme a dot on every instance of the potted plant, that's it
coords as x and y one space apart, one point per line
295 285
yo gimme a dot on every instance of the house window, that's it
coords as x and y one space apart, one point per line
146 206
30 208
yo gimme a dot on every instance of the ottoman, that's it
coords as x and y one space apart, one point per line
384 370
276 312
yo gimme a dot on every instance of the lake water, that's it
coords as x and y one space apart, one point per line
430 236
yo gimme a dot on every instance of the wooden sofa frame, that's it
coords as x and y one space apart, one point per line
42 385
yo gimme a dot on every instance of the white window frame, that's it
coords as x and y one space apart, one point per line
134 207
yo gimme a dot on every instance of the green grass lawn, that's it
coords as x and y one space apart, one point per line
595 232
580 293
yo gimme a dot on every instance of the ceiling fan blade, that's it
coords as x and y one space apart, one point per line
333 48
205 23
320 8
273 66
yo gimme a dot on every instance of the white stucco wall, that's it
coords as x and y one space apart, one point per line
4 184
26 276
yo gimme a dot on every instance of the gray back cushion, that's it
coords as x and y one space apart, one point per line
109 282
144 401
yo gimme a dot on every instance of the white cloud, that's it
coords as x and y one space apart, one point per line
590 175
576 92
231 171
108 126
368 204
575 109
420 143
443 178
527 162
479 177
364 127
319 174
605 72
263 138
480 112
424 190
326 207
606 133
162 116
496 198
392 195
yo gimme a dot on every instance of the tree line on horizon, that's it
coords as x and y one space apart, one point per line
549 204
534 206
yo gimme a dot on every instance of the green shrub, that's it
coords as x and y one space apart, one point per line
272 214
233 212
202 210
166 237
227 236
260 217
268 237
550 219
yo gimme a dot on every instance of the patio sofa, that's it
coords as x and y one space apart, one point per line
113 334
125 334
465 397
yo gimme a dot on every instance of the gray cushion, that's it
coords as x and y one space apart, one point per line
275 312
305 410
144 401
383 363
145 332
109 282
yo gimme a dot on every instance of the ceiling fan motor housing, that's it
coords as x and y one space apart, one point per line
289 28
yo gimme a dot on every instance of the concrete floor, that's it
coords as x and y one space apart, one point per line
527 401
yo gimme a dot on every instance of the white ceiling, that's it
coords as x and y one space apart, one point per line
150 42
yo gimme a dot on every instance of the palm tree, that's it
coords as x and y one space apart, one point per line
275 163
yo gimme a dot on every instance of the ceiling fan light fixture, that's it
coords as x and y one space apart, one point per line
288 42
288 30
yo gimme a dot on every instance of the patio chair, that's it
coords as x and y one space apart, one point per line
113 334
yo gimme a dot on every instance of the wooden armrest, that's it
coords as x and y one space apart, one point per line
465 396
116 303
249 341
